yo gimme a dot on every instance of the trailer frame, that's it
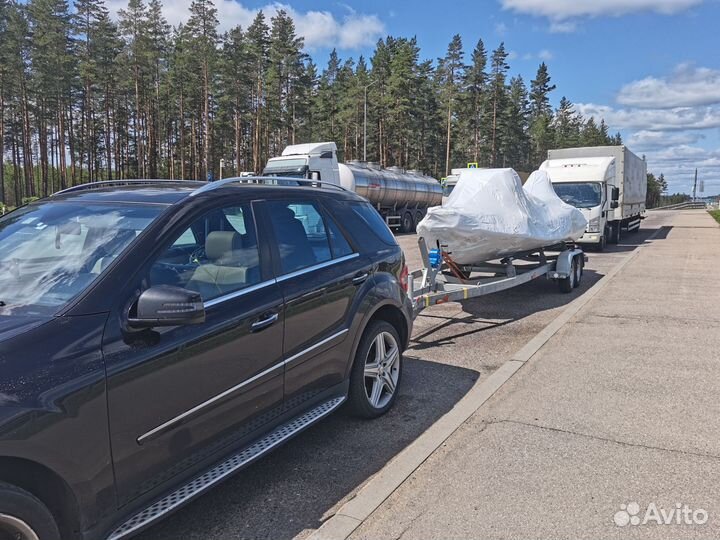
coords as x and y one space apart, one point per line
436 284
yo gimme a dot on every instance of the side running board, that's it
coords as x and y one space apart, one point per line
221 471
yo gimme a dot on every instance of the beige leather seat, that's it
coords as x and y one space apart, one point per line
231 266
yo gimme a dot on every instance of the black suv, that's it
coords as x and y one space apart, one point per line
156 337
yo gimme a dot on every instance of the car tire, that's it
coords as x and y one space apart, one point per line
374 385
24 516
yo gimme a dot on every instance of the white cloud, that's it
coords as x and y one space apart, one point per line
677 119
563 27
563 14
650 140
559 10
545 55
501 28
512 55
319 28
686 86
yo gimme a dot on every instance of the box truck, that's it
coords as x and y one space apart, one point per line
401 196
608 183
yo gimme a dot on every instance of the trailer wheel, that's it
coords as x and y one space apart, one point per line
418 218
579 266
568 284
407 223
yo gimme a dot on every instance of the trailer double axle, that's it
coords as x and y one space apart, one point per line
442 280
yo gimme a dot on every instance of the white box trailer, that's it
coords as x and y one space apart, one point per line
608 183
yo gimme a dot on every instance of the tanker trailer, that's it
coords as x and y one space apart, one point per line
401 197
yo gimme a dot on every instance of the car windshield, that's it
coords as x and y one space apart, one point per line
288 168
52 251
579 194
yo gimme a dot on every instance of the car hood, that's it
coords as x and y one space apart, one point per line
14 325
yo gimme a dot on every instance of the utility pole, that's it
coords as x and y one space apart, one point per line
695 187
365 122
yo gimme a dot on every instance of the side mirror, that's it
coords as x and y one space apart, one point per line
314 175
615 194
165 305
614 204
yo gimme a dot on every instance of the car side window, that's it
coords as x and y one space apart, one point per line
338 242
305 235
216 255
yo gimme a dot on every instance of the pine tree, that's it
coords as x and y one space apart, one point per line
451 72
499 68
540 115
202 27
513 133
258 37
476 92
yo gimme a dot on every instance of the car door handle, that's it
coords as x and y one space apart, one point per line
360 278
266 321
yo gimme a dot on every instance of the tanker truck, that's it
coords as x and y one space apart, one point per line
401 197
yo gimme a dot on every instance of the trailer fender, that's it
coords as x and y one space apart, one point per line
564 263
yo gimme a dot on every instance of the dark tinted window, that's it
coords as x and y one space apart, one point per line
216 255
374 221
300 234
338 242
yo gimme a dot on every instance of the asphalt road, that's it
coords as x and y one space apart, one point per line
290 492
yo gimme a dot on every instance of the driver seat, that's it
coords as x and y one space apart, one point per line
229 269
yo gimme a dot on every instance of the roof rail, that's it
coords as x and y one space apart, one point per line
265 180
109 183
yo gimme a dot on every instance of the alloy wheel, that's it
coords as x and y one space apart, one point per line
382 370
12 528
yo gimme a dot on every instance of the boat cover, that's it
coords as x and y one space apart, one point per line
490 215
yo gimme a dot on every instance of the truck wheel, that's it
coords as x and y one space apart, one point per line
407 223
418 218
376 372
24 517
568 284
615 232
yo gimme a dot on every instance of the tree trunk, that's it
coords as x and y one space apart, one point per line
447 149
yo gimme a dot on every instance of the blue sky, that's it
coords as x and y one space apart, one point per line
651 68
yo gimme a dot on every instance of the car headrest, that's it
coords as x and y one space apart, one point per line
286 214
220 243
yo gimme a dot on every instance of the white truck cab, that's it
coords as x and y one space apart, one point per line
607 183
316 161
587 185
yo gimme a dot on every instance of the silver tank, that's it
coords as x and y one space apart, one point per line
392 186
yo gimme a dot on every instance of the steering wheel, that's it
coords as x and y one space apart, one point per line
197 255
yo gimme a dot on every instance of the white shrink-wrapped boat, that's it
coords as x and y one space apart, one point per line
491 215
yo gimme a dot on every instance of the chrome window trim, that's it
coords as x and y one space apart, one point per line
258 286
318 266
179 418
238 293
316 345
